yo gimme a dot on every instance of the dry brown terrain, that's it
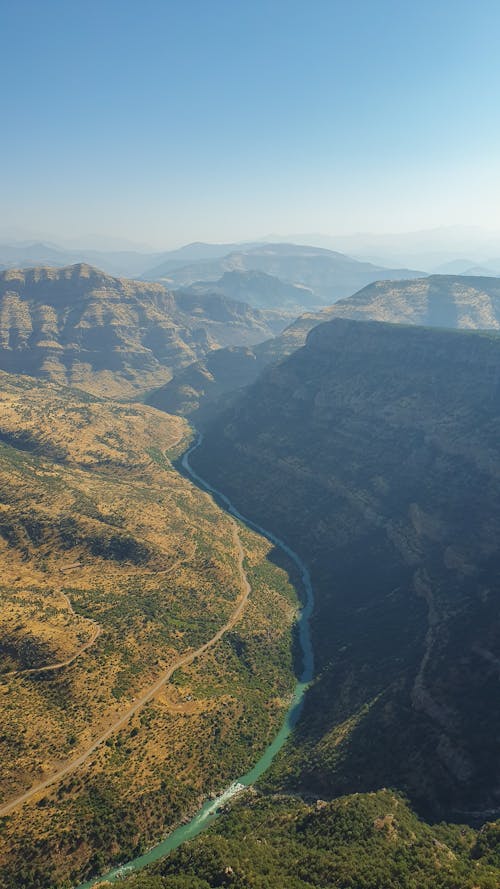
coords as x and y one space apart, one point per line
116 572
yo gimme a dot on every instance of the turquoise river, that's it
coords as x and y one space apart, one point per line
209 811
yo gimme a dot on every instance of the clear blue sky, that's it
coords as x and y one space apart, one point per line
165 121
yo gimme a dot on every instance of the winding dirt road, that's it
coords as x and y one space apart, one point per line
145 696
60 664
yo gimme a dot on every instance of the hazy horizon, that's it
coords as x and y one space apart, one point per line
453 238
217 122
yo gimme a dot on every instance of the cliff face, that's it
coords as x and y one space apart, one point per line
112 336
374 451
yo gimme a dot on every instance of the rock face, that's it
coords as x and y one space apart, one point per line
112 336
201 389
374 451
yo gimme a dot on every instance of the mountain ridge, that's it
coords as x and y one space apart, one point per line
258 289
204 387
329 274
79 326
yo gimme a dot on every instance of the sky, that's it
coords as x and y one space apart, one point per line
162 122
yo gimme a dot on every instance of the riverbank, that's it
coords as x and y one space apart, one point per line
209 810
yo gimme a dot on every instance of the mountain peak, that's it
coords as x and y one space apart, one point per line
52 273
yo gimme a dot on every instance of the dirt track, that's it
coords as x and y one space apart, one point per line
60 664
143 697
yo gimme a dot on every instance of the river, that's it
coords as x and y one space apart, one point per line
209 811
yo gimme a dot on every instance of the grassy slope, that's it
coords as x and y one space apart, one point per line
93 515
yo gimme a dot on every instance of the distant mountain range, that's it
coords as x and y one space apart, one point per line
453 249
460 267
428 249
120 262
128 263
111 336
436 301
330 276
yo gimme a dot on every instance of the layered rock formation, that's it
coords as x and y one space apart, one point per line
112 336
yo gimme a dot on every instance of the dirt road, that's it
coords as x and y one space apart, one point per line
60 664
144 696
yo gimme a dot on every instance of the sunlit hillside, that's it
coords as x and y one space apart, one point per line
114 569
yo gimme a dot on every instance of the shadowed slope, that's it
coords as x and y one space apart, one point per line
374 450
